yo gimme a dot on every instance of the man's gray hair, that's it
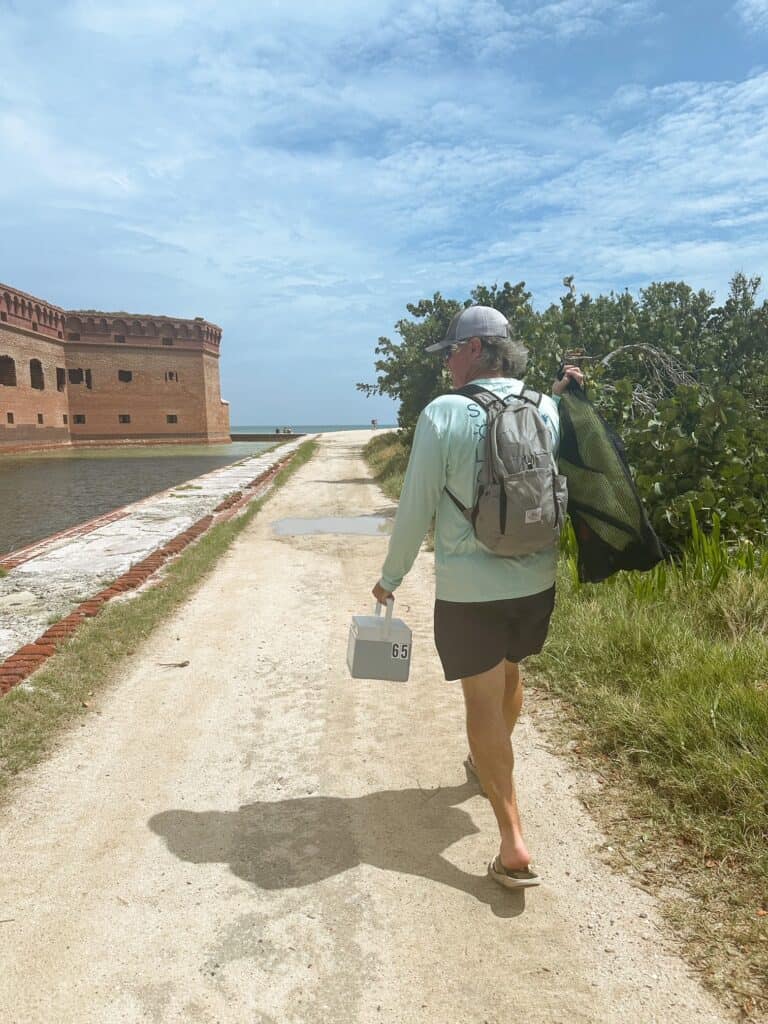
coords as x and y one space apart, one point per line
506 357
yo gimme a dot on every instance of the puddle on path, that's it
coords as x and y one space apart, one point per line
369 525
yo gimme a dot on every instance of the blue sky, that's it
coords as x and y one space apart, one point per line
297 174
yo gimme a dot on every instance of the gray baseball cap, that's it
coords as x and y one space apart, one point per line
473 322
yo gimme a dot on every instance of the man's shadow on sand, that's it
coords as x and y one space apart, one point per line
288 844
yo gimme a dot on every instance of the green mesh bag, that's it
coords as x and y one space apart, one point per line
611 526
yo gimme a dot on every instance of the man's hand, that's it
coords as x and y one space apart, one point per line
570 373
381 595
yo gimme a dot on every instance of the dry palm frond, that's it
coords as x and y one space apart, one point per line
663 375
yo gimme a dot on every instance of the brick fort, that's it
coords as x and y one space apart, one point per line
81 377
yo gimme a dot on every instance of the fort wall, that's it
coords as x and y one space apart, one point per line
84 377
217 410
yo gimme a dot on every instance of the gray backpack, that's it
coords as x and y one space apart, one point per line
521 498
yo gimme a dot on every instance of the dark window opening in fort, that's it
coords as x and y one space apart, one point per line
88 379
124 417
125 375
36 376
59 334
34 326
78 418
171 418
172 375
61 378
4 317
75 376
39 417
167 341
73 336
7 372
9 417
65 418
120 339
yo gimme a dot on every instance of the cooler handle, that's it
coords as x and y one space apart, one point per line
390 606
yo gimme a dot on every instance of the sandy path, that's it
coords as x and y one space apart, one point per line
258 838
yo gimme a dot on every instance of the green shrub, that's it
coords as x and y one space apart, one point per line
683 381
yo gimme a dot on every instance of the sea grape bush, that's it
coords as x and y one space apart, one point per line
703 442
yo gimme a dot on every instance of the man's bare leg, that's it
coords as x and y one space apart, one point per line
489 741
513 694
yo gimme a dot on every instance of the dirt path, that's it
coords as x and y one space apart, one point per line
258 838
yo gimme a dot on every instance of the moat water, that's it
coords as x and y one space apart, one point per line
43 493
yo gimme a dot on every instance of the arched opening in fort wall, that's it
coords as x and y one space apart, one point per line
7 371
36 375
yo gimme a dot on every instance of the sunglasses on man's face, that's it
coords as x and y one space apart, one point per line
450 350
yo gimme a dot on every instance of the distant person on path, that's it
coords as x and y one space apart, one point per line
491 612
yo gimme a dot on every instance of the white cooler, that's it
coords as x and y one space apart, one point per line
379 646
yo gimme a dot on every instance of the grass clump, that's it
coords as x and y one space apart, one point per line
33 715
666 674
678 688
388 458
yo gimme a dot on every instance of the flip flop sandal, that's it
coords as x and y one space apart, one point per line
510 879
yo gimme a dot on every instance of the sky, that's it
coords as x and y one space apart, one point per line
297 173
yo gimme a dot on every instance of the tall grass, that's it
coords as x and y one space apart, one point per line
388 458
706 559
686 644
667 676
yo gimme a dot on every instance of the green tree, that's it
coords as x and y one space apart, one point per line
404 370
413 377
684 383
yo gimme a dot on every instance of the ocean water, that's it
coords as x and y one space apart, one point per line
303 428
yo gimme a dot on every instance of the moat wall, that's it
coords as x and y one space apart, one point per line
74 377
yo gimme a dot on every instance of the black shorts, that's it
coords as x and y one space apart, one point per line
472 637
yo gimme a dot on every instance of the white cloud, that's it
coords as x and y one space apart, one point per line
753 14
412 29
32 154
682 194
131 17
569 18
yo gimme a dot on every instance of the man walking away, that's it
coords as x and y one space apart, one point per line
491 612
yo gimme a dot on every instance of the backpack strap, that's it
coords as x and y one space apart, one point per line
534 397
484 397
487 399
462 508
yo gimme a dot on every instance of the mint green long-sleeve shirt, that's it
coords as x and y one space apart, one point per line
447 452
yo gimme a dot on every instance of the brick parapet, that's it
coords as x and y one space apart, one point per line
29 313
96 328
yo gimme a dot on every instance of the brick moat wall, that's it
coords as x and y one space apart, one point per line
85 377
